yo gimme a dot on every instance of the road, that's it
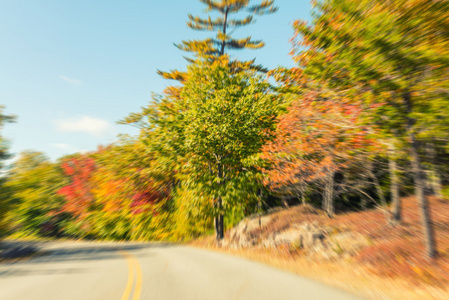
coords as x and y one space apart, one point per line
109 271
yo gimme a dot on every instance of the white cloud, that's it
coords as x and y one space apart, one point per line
70 80
86 124
65 147
68 148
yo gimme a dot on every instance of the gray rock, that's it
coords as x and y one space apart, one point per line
315 240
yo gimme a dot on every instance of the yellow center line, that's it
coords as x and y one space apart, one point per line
138 287
133 265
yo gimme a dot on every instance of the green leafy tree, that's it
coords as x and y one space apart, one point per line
210 135
4 119
5 192
34 181
227 119
395 50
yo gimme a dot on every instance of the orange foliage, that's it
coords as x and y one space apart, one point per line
320 132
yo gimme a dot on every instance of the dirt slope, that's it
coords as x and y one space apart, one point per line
358 251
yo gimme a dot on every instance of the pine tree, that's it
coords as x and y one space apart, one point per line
215 48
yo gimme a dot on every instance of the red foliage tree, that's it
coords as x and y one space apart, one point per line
78 194
319 136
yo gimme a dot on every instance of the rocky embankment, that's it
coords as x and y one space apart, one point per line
313 239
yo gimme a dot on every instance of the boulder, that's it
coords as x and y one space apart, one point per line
291 236
246 233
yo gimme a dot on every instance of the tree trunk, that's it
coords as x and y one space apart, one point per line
284 201
419 179
394 187
220 228
380 192
225 24
259 207
436 184
302 191
216 226
363 203
328 203
435 179
219 220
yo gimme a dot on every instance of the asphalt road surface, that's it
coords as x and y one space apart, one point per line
114 271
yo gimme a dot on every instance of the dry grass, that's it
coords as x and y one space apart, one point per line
393 266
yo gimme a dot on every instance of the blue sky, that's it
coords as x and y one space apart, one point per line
69 70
